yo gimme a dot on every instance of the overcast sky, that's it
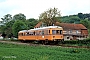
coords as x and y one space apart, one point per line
33 8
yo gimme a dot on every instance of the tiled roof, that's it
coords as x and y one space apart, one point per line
71 26
38 25
66 26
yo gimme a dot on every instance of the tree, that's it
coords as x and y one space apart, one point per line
31 19
17 26
49 16
7 28
87 16
19 16
74 19
7 18
80 15
31 23
85 23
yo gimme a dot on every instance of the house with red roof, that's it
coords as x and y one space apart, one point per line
71 31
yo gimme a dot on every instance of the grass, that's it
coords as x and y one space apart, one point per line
25 52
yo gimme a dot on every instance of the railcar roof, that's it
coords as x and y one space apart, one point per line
23 31
46 27
41 28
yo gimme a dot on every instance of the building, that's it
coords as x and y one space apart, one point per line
71 31
74 31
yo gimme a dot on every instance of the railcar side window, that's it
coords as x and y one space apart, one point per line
53 31
27 33
34 33
24 34
42 32
49 31
30 33
46 32
37 33
56 31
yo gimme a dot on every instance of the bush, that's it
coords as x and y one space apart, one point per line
13 39
74 51
71 42
80 42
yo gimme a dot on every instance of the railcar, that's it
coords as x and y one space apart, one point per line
43 34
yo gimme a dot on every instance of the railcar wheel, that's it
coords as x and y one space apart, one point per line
23 41
46 42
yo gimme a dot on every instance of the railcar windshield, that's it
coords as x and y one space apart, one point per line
21 34
56 31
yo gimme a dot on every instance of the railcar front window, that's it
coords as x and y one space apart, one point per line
21 34
60 31
57 31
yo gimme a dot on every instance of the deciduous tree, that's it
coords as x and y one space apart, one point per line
17 26
19 16
7 18
49 16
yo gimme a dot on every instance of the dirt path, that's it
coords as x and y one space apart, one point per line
31 44
16 42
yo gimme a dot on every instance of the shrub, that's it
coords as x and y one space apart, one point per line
79 42
74 51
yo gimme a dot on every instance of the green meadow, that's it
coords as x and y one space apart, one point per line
26 52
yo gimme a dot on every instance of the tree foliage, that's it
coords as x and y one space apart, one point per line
31 23
49 16
84 16
86 23
19 16
74 19
17 26
11 24
70 19
7 18
80 15
9 28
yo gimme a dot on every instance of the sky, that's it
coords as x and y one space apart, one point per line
33 8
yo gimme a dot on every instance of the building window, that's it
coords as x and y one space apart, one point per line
67 37
70 31
67 32
76 31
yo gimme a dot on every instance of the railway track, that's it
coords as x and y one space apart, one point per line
52 45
